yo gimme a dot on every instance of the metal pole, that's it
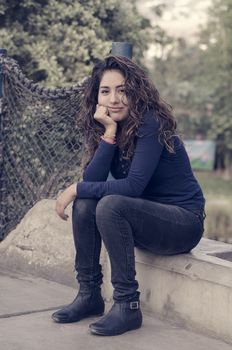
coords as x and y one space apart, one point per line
122 49
3 208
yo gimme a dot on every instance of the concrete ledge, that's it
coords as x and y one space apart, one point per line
192 290
42 245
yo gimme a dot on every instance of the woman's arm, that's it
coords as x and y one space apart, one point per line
64 199
145 160
143 165
99 166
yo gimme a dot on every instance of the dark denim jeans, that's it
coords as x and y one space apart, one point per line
123 223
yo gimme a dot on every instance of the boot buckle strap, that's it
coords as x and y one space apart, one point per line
134 305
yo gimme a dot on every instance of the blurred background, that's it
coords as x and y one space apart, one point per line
186 48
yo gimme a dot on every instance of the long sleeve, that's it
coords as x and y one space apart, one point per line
145 160
99 166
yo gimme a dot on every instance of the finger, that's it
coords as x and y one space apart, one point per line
63 216
101 107
60 211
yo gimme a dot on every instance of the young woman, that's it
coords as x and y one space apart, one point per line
154 201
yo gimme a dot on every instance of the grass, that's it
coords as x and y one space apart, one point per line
213 185
218 194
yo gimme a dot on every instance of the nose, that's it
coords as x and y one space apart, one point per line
114 98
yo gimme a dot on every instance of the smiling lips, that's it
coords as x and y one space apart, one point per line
115 109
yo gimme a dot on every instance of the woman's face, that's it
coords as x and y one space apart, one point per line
111 94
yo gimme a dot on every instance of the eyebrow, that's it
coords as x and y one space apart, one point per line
118 86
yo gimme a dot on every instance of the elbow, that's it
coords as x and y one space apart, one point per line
86 178
90 176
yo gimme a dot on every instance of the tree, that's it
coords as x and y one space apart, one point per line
174 74
58 41
216 41
197 80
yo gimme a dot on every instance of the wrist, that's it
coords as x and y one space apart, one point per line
111 130
110 134
109 139
73 190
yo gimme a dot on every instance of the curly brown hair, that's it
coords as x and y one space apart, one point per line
142 96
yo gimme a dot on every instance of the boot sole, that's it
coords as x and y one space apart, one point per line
57 320
98 332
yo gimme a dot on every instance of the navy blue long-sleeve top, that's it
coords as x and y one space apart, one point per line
153 173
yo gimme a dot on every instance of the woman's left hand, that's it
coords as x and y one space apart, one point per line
63 200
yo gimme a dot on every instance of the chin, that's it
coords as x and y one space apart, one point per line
118 118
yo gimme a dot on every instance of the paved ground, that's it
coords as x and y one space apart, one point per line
26 304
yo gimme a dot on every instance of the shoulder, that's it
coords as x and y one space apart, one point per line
149 124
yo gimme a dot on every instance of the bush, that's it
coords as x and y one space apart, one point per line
218 222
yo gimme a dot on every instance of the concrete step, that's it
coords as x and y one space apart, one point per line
193 290
26 304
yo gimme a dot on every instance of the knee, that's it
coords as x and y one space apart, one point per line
84 207
109 205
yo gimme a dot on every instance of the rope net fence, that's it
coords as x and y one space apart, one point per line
40 142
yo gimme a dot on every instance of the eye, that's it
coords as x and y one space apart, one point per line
104 92
122 90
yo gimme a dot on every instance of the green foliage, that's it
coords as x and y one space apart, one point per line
218 68
197 80
218 194
58 41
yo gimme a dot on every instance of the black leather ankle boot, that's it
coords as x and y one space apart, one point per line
86 303
121 318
